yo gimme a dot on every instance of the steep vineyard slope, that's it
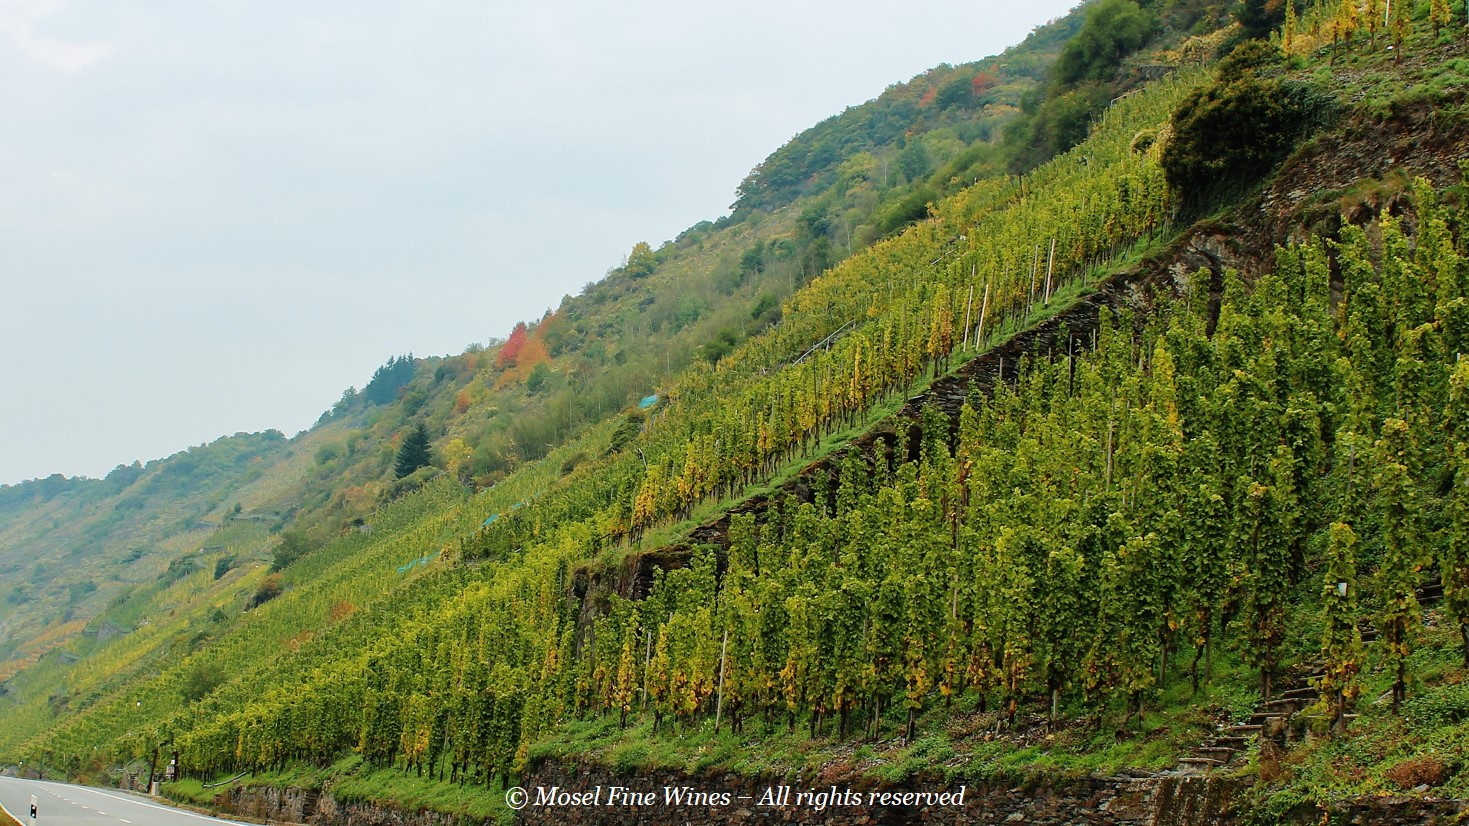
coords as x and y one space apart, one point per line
722 428
1043 486
81 557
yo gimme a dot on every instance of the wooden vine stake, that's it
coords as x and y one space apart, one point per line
1050 268
719 699
983 309
968 306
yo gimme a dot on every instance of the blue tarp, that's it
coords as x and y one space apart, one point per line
423 560
648 401
490 520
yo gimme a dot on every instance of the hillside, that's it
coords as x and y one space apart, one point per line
1064 476
489 410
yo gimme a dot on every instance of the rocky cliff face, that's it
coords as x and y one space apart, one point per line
308 806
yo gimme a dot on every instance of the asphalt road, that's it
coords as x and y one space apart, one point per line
61 804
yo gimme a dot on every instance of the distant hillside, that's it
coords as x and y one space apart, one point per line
912 128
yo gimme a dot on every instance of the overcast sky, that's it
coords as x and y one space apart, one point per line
217 215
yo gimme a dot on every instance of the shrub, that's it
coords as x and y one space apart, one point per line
1113 30
1228 135
410 483
1417 771
269 589
1258 18
180 568
293 546
627 430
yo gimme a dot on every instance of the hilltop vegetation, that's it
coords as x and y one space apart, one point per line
1083 562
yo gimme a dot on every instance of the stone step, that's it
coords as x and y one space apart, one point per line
1236 743
1307 693
1223 755
1259 718
1284 707
1206 762
1245 729
1292 703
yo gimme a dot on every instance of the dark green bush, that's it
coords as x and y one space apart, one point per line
1113 30
293 546
269 588
626 431
1231 133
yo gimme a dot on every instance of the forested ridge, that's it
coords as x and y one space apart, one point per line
1108 550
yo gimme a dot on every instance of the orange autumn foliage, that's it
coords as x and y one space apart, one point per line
510 350
531 354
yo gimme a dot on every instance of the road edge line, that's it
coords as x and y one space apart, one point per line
203 815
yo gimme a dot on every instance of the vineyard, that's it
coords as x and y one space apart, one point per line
996 258
1224 475
1069 538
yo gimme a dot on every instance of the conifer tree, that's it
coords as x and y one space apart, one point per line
413 453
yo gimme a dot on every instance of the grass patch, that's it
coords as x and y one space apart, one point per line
351 780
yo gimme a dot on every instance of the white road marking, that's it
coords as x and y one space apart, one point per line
183 812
